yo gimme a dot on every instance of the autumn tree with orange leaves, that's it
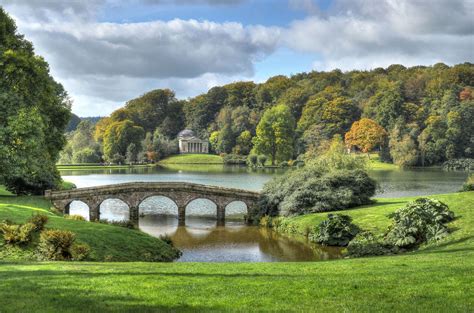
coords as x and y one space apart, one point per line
366 135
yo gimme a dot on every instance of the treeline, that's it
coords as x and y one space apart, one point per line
415 116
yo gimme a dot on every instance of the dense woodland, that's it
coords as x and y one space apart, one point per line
417 116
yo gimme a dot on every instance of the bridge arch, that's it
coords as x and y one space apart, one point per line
236 210
202 206
167 204
114 209
78 207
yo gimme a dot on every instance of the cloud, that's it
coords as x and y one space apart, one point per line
194 2
367 34
156 49
54 10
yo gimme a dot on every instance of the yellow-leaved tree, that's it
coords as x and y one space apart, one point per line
366 135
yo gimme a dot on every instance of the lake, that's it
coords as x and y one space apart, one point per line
202 240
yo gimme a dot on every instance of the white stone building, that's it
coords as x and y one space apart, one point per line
189 143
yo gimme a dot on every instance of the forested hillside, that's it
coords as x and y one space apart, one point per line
412 116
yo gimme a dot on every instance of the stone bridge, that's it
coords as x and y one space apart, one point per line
135 193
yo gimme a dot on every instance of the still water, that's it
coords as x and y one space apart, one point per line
202 240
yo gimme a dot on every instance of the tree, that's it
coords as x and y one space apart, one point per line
330 109
366 135
155 109
403 149
132 153
86 155
386 106
118 137
275 134
244 143
163 146
35 111
333 156
100 128
214 141
226 139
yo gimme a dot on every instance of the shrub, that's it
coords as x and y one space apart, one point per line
75 217
262 159
367 244
126 224
17 234
309 190
418 222
336 230
252 160
38 220
86 155
459 165
55 245
167 239
80 251
265 221
469 184
234 159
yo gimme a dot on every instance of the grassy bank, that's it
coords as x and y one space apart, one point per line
437 278
374 217
107 242
376 164
193 159
77 167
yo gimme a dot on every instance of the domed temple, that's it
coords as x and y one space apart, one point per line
189 143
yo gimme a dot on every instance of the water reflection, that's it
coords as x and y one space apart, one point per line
201 240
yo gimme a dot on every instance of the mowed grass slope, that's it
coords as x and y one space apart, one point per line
108 242
374 217
193 159
438 278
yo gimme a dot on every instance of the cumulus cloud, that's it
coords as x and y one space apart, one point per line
367 34
194 2
157 49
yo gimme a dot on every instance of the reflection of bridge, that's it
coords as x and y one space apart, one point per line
135 193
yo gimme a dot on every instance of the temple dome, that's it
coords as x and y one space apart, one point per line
187 133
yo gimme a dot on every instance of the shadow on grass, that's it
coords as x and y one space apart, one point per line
434 248
69 291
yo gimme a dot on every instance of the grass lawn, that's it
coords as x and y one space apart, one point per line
193 159
376 164
107 241
437 278
4 192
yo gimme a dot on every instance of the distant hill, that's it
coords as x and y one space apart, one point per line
75 120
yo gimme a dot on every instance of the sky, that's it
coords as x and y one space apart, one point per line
106 52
